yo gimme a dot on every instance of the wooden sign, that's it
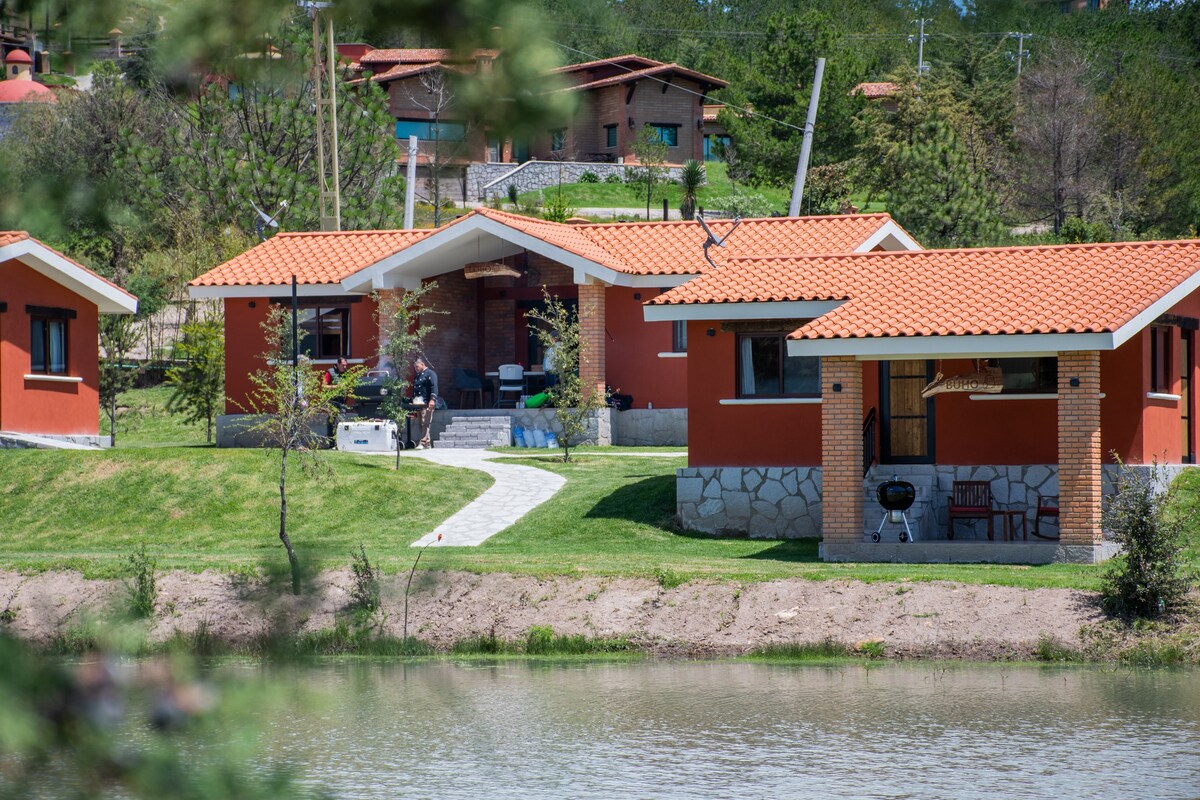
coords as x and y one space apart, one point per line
989 380
489 269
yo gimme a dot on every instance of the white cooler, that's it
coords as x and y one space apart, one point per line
365 437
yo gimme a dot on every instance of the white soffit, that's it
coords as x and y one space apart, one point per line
108 298
884 348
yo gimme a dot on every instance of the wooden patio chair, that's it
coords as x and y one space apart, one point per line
466 386
1047 506
969 500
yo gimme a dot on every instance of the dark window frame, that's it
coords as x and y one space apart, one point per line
610 136
781 337
1045 367
679 336
47 367
558 140
661 128
317 307
1161 353
446 130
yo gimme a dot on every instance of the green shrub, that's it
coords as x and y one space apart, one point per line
513 194
364 587
143 592
1148 577
669 579
589 177
612 177
558 208
874 648
1051 650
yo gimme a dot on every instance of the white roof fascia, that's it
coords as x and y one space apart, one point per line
1157 309
268 290
661 281
108 298
889 230
885 348
373 276
793 309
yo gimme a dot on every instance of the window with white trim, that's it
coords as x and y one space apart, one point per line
48 342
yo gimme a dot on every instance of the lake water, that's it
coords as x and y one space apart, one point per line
736 730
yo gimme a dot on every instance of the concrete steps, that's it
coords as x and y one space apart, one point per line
476 432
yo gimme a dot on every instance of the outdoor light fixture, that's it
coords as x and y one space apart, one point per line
711 332
631 123
1075 382
252 304
700 124
637 295
837 387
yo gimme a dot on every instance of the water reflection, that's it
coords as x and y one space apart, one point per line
667 730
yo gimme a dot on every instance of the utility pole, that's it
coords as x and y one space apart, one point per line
410 183
810 123
920 38
326 101
1019 57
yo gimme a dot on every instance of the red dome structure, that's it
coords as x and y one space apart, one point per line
17 57
25 91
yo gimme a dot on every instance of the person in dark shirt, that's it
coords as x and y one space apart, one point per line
425 391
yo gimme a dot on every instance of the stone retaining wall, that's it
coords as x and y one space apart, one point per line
785 502
491 180
651 427
51 441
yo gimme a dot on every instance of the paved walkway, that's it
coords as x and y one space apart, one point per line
517 491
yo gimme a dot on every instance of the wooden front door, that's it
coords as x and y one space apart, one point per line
905 419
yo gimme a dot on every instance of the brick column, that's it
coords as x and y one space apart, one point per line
841 450
1079 464
591 328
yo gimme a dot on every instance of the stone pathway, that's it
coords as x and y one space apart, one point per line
517 491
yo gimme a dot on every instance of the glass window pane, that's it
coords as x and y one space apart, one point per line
412 127
306 323
448 131
332 333
58 346
610 136
760 365
801 375
37 345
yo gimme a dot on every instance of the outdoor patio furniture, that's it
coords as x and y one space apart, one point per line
970 500
1047 506
512 383
468 386
1010 518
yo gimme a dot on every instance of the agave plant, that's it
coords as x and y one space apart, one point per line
691 178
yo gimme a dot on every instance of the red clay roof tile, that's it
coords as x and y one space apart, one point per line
1087 288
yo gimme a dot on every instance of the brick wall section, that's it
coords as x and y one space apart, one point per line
453 341
591 323
1079 457
841 450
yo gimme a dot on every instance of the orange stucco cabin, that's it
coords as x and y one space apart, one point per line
491 269
1034 370
49 357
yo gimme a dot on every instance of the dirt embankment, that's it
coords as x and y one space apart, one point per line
697 618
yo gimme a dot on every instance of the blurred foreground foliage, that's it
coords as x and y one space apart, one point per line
102 727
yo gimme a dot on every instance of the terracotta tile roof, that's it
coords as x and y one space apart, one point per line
876 91
314 258
711 111
677 248
634 248
401 71
1087 288
12 237
603 62
648 72
421 55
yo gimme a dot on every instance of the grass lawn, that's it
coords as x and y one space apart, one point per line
620 195
614 517
143 421
196 508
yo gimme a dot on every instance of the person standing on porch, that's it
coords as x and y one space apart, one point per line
425 390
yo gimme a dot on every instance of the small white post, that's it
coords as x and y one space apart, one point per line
410 183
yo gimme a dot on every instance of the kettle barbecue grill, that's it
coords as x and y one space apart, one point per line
895 497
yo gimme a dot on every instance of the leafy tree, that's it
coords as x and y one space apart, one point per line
200 381
401 320
651 153
118 332
574 400
294 407
691 178
1149 577
944 202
